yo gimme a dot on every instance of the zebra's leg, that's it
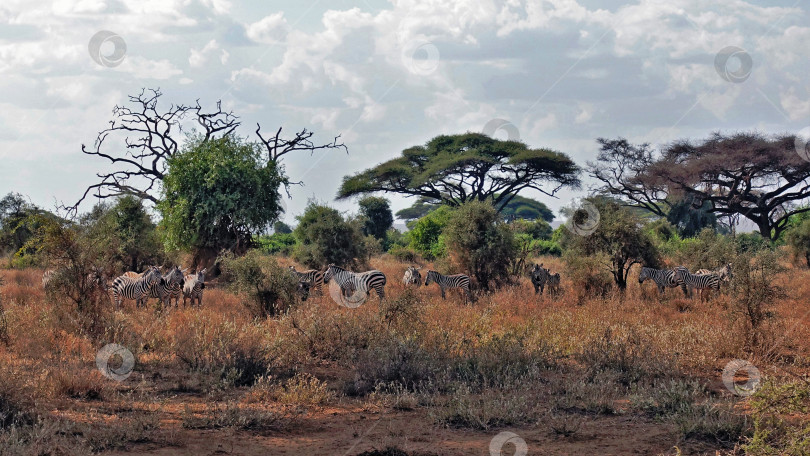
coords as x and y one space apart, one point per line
536 287
443 296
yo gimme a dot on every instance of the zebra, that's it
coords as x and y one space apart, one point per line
724 272
138 289
351 282
554 283
663 278
461 281
169 287
193 287
313 277
539 277
412 276
697 281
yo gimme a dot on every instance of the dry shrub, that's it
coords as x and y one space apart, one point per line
237 354
79 383
245 418
626 353
304 390
514 404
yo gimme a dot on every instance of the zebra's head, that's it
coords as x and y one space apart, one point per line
175 276
330 271
153 275
431 276
680 272
643 275
303 289
201 275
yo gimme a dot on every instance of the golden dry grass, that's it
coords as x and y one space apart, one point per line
420 353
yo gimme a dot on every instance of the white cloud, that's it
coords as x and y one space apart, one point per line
199 57
142 68
585 113
798 108
271 29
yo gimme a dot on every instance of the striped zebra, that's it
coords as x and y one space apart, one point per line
351 282
724 273
313 277
412 276
132 274
169 287
138 289
697 281
539 276
193 287
663 278
461 281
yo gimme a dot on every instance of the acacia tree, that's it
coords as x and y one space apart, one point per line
518 208
760 178
454 169
145 136
740 175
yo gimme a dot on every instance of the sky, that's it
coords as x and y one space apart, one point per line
388 75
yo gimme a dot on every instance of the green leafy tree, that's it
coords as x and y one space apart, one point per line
619 240
281 228
519 208
455 169
377 216
480 244
325 237
19 223
425 234
690 220
217 194
128 229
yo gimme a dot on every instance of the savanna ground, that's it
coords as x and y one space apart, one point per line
413 376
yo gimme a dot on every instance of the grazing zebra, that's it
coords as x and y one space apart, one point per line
169 287
554 283
138 289
351 282
539 277
724 273
311 276
697 281
461 281
193 287
663 278
412 276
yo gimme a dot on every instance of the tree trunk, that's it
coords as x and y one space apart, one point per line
807 258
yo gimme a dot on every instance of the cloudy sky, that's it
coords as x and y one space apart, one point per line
387 75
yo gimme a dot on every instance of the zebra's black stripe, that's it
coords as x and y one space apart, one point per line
351 282
137 289
193 287
169 287
698 281
461 281
312 277
412 276
663 278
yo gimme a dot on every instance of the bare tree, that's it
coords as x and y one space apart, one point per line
148 138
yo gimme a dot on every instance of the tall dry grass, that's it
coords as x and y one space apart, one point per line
469 365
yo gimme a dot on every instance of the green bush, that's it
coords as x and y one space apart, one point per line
266 287
798 238
325 237
780 426
426 233
277 243
480 244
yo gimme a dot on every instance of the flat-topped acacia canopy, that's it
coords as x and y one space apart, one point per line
458 168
